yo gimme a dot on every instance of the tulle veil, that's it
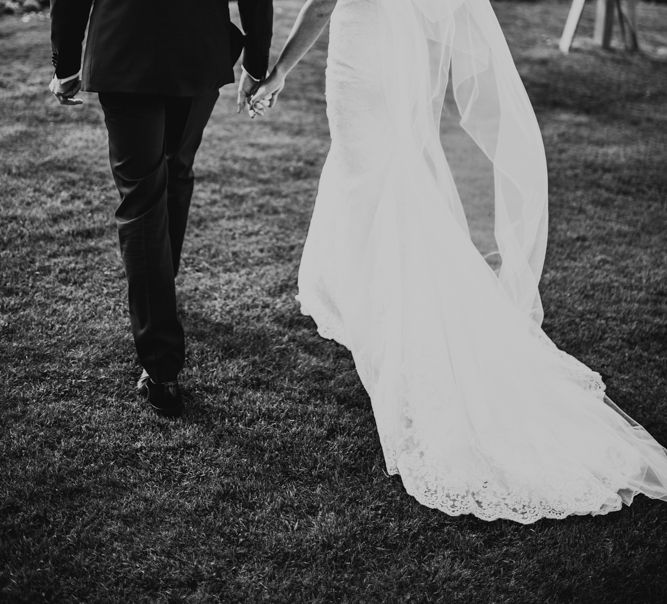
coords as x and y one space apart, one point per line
463 37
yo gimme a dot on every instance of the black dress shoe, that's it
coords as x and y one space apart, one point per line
164 397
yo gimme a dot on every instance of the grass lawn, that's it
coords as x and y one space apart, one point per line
272 487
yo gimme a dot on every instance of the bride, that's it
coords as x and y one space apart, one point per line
476 409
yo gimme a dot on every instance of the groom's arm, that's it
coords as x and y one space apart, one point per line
257 20
69 19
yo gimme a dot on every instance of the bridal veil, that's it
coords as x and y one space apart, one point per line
464 37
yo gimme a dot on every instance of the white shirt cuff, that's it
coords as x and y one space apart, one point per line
252 77
69 78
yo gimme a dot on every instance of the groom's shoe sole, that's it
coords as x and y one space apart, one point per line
142 387
165 398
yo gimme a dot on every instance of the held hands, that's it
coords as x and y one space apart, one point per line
268 91
66 92
258 96
247 87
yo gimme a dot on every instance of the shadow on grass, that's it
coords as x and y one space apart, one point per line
282 355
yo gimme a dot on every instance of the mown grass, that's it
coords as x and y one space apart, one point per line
272 487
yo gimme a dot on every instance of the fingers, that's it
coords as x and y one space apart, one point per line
65 94
258 108
259 101
274 99
65 100
268 93
264 96
68 98
259 104
259 95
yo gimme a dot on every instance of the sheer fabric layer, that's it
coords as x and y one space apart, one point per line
476 408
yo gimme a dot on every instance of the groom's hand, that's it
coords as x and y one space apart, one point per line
66 91
247 87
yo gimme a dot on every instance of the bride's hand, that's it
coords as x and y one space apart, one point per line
268 90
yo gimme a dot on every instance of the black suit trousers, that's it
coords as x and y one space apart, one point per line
152 145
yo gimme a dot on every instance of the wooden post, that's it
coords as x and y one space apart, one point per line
626 11
630 12
604 22
570 28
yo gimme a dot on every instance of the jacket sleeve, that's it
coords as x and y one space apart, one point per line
69 19
257 21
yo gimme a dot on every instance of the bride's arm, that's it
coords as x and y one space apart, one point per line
309 24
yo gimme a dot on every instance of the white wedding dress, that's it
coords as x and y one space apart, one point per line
476 408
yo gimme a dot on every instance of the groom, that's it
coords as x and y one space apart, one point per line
157 66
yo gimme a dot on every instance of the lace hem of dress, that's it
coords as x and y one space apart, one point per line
488 500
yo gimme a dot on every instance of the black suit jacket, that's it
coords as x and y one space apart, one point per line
170 47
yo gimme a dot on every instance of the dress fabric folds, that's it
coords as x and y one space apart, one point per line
476 409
